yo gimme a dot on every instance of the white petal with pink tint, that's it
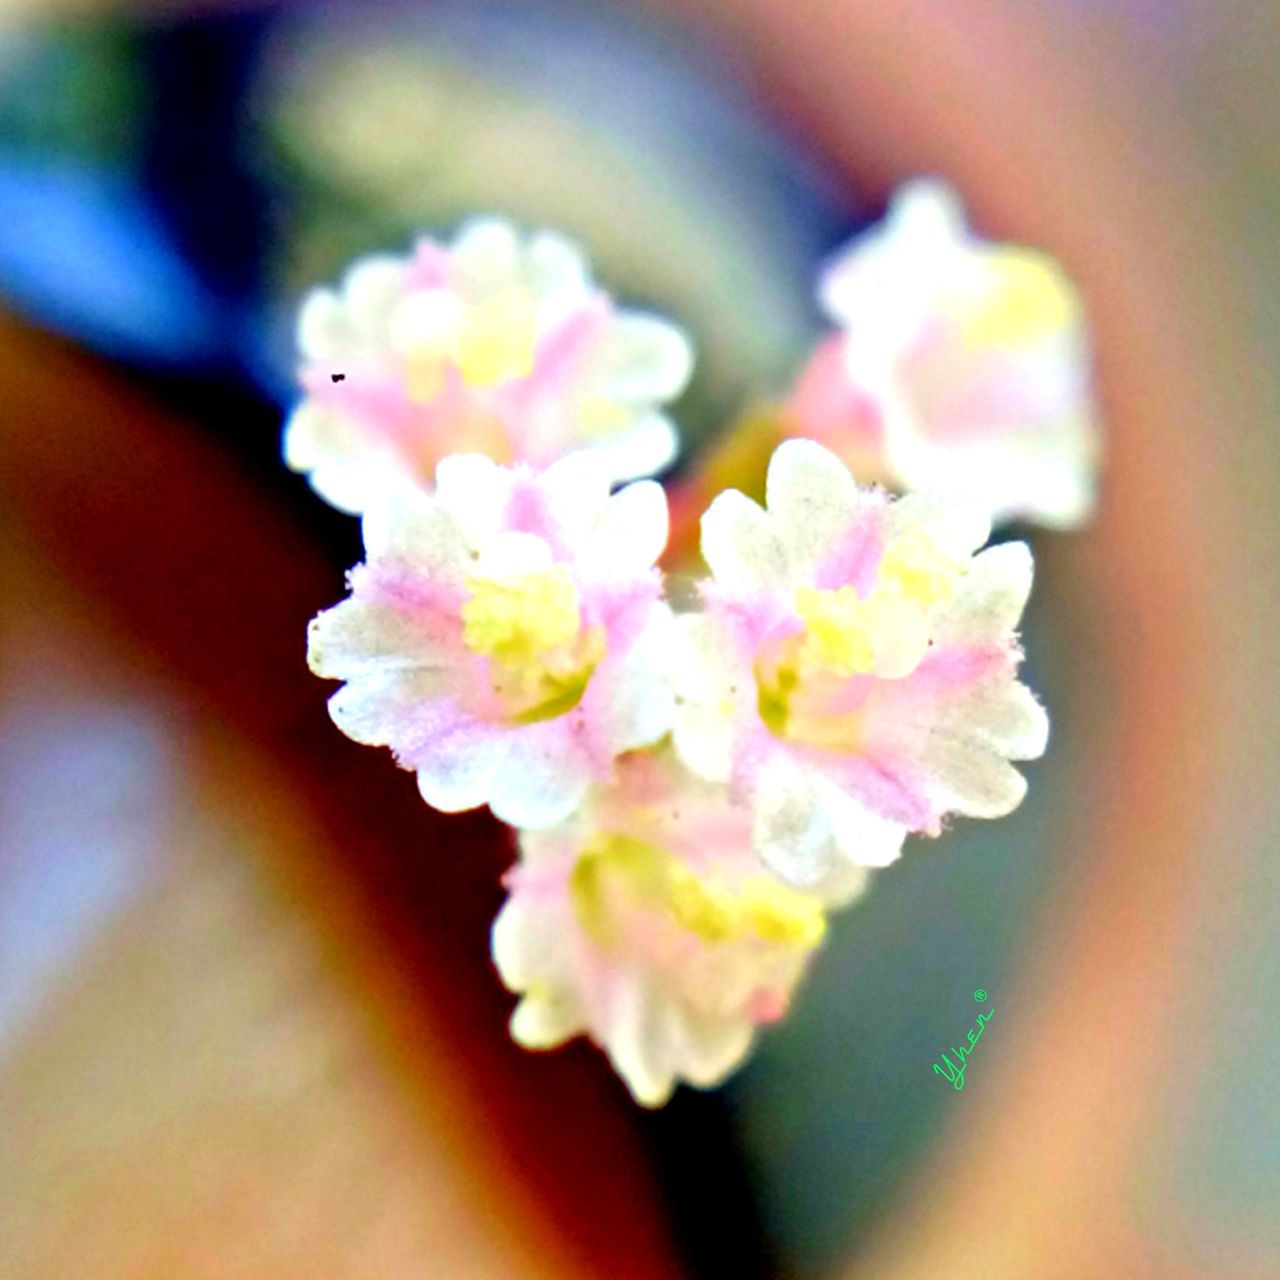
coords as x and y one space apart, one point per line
812 497
741 545
647 923
852 673
487 644
498 343
965 366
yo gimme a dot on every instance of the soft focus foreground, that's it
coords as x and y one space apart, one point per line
1104 918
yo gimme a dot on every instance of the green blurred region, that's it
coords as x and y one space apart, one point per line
72 90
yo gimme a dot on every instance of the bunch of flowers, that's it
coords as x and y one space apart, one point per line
695 791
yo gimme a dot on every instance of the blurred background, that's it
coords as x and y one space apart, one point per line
248 1023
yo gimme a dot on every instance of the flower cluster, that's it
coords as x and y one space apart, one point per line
696 791
958 367
498 345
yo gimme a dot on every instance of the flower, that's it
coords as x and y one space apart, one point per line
960 366
497 344
505 634
647 923
852 671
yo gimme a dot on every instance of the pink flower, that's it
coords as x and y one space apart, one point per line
504 636
852 672
960 367
646 922
498 345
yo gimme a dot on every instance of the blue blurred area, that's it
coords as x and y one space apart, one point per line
85 254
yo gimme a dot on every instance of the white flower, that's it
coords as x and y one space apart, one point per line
647 923
498 344
852 672
961 366
505 634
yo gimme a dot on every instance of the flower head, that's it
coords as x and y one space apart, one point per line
961 366
504 635
497 344
852 671
647 923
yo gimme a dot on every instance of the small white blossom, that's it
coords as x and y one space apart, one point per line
646 922
960 367
505 634
851 674
498 344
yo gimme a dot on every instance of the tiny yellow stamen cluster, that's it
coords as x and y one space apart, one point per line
914 565
517 622
838 630
1021 299
847 634
618 873
490 341
884 633
497 340
531 630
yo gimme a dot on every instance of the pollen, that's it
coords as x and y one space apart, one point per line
1022 300
838 626
496 341
918 569
518 623
619 876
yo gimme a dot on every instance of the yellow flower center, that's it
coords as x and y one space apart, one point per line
884 634
530 628
616 874
489 341
497 339
916 568
1022 300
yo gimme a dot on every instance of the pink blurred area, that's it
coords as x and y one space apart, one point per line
239 1038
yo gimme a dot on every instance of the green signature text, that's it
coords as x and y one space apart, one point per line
953 1072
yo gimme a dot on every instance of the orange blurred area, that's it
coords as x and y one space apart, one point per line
211 1061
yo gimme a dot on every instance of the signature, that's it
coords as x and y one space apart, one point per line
953 1072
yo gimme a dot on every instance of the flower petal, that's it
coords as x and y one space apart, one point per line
702 729
474 490
542 779
642 359
865 838
791 830
486 256
990 598
957 525
325 331
342 468
630 533
408 524
633 1044
457 773
577 489
557 273
358 637
642 449
641 705
389 708
545 1021
972 779
371 290
811 497
1000 714
740 545
708 1050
